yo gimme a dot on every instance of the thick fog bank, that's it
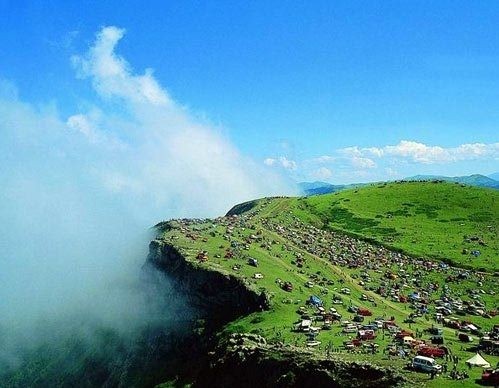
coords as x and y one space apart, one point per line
79 194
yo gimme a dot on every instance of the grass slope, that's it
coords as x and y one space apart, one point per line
275 232
442 220
471 180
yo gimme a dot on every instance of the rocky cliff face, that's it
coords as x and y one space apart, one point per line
218 296
246 360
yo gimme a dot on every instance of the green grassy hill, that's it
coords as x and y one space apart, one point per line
477 180
442 220
323 246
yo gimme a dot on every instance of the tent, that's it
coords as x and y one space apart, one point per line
414 296
315 301
478 360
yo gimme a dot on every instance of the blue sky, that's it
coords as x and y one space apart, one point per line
342 91
115 115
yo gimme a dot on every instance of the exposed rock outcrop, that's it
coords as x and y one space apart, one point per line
246 360
222 297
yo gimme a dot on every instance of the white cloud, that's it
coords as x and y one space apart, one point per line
477 151
373 151
421 153
350 151
112 75
393 161
170 149
362 163
288 164
67 177
322 173
80 123
88 126
418 152
356 157
269 162
324 159
281 161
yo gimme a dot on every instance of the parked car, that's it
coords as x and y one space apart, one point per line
287 286
437 340
435 330
366 335
350 329
353 309
425 364
490 377
370 326
463 337
430 351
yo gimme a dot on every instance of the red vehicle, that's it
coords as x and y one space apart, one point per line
490 377
287 286
388 324
429 351
356 342
404 333
364 312
366 335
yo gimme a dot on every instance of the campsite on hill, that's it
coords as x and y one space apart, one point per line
381 273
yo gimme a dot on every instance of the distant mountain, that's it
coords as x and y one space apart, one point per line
313 185
316 188
471 180
494 176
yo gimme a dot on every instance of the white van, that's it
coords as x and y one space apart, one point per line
408 340
350 329
426 364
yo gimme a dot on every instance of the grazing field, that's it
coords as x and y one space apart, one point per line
456 223
325 285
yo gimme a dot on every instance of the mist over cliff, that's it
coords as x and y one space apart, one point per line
80 193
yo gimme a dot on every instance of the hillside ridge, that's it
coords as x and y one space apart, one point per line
326 287
479 180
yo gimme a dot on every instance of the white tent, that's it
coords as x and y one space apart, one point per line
478 360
